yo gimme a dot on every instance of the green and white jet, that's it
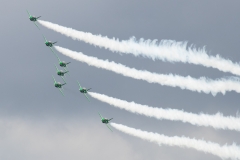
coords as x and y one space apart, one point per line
62 63
61 73
49 43
105 120
83 90
33 19
58 85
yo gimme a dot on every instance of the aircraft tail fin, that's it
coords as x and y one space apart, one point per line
68 62
38 17
89 89
66 71
54 42
110 119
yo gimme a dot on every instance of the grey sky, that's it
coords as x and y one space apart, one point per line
36 122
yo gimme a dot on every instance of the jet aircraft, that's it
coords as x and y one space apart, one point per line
62 63
58 85
49 43
61 73
83 90
33 19
106 121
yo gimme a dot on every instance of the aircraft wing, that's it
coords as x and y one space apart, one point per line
28 13
54 79
56 67
86 97
44 38
79 84
53 51
100 115
61 91
36 25
109 127
63 79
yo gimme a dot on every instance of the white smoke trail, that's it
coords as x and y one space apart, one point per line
224 152
199 85
166 50
217 121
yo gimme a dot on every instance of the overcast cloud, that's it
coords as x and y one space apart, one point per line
37 122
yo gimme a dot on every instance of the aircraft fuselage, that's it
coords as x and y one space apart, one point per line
49 44
58 85
60 73
106 121
33 18
62 64
83 90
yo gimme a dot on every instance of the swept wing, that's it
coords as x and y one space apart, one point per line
109 127
29 13
100 115
79 84
61 91
86 97
44 38
54 80
36 25
63 79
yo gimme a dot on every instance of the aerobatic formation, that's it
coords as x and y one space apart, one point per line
166 50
